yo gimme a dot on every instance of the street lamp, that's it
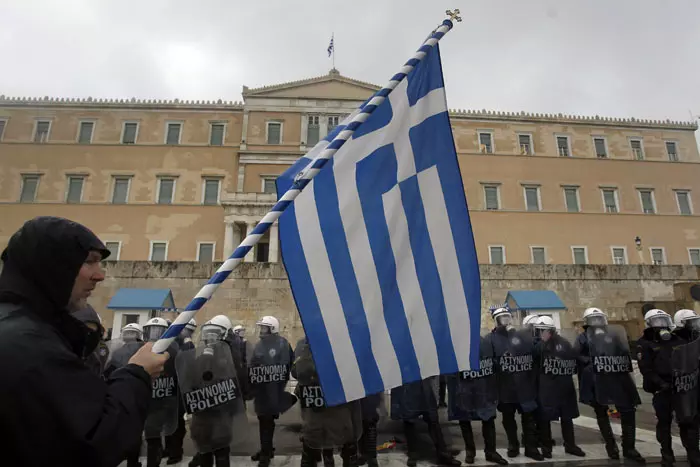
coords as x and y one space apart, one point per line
638 243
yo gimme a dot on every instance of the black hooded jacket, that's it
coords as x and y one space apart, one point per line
95 351
54 410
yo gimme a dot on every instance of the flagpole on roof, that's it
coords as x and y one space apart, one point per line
301 181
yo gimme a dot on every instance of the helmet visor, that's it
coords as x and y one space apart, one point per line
692 323
264 330
504 319
187 332
212 333
153 333
596 320
660 322
130 335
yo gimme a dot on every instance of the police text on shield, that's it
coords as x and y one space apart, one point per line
516 364
485 369
559 367
162 387
268 374
312 397
686 383
211 396
614 364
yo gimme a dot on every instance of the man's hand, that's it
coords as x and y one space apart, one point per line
152 362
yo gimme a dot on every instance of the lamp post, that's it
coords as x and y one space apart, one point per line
640 252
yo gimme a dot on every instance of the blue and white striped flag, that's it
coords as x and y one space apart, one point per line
330 47
379 248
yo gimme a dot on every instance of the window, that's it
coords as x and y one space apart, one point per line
41 133
205 252
210 191
684 206
658 256
262 252
166 190
525 142
532 198
610 200
601 150
563 146
694 254
3 123
539 255
497 255
274 132
672 151
172 135
114 250
580 254
637 149
30 183
571 198
648 203
485 143
159 251
74 193
333 121
120 191
491 198
216 134
268 185
85 132
619 255
130 132
313 131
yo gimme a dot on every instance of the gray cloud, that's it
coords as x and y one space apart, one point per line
618 58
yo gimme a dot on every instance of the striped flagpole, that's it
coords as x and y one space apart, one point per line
302 179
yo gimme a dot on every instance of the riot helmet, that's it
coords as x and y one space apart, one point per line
530 320
268 325
189 329
546 327
660 321
215 329
595 317
687 319
239 331
503 318
132 332
154 329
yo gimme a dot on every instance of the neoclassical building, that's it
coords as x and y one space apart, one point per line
186 180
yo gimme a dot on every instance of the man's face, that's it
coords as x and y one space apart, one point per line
89 275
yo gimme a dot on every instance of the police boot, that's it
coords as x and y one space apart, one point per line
196 460
308 456
409 429
488 430
544 437
601 416
468 436
567 432
530 433
629 433
267 434
663 436
349 453
154 452
443 456
328 459
511 433
690 438
368 445
223 457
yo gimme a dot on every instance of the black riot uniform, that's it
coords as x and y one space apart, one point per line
370 406
473 395
269 365
323 428
420 400
517 383
655 352
96 352
556 364
604 371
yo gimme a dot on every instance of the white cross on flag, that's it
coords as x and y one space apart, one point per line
379 248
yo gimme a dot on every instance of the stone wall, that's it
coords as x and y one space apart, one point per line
256 289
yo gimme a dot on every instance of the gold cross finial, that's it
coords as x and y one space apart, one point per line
454 15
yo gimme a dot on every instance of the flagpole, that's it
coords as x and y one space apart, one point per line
333 51
301 181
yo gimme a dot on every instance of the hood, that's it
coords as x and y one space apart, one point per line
41 262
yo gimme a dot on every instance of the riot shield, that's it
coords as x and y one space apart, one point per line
211 395
162 416
473 395
556 367
119 353
269 365
517 379
612 366
323 427
684 363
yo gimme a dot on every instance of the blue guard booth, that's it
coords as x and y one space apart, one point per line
535 302
138 306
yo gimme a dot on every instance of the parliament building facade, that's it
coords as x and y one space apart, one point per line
186 180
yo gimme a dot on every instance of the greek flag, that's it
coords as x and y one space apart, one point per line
330 47
379 248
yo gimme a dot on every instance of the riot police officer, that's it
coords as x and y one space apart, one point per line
604 371
371 407
556 363
687 325
656 351
269 365
517 382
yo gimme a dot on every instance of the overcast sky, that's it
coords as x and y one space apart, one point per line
610 57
